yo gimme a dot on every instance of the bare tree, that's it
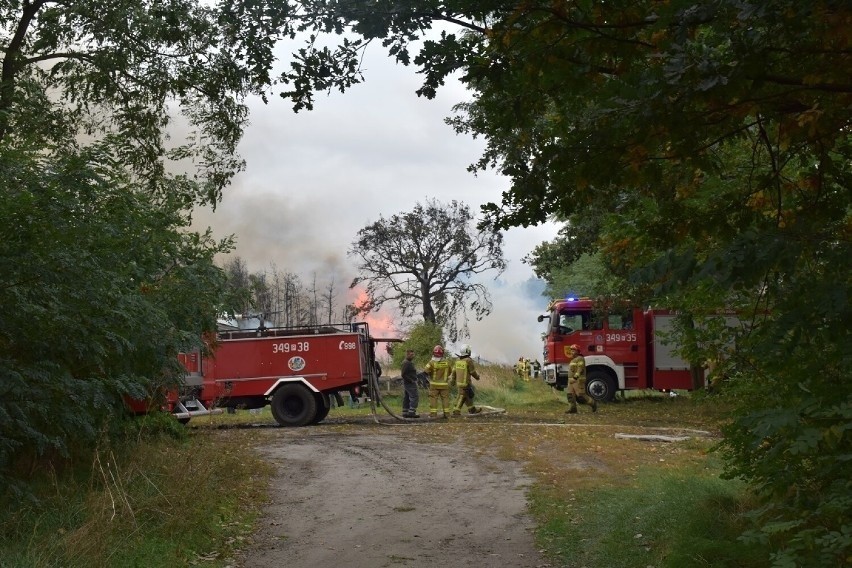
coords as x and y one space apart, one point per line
239 285
424 260
262 295
281 298
291 299
328 300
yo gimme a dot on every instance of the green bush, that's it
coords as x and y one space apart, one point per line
422 338
101 287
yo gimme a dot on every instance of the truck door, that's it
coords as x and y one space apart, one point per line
573 326
569 324
668 370
622 339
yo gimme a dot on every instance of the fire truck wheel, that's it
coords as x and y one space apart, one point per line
293 405
323 406
601 386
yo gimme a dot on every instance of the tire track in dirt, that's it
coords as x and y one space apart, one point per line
380 500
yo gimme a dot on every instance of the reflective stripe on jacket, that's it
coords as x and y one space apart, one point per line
463 370
577 369
439 372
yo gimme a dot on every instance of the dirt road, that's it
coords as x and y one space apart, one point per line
376 497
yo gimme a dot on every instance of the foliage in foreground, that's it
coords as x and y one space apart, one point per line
101 283
109 289
680 519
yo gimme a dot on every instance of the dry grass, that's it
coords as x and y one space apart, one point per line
168 501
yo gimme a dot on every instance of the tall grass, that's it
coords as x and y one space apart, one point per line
671 520
159 501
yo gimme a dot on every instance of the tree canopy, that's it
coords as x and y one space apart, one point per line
423 261
710 141
124 71
115 118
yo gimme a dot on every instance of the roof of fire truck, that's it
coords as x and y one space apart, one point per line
583 301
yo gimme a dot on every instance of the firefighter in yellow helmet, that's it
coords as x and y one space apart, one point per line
463 370
438 370
523 368
577 381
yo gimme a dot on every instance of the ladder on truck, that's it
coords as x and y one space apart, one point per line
188 406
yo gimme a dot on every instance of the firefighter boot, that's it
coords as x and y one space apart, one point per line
573 409
433 415
456 412
594 405
474 410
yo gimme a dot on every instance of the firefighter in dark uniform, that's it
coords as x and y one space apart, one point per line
410 396
463 370
577 381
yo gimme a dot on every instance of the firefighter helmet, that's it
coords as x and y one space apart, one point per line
464 351
575 347
438 351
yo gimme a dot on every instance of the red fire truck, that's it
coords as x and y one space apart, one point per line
293 369
630 349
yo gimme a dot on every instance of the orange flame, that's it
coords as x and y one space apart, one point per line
381 323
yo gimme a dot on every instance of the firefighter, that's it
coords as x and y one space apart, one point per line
523 368
527 369
577 381
438 370
410 396
463 370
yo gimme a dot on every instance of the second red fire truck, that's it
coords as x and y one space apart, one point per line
629 349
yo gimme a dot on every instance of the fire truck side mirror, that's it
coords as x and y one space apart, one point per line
542 317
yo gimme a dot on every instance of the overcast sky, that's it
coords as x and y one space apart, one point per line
313 179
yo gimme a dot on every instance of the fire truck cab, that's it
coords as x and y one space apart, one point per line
625 349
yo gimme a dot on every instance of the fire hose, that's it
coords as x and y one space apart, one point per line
375 395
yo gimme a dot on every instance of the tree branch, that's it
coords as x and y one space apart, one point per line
827 87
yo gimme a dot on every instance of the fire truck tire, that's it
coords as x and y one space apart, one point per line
293 405
323 406
601 386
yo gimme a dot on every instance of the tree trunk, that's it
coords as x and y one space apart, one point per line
697 372
426 298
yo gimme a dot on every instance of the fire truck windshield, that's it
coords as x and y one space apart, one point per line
569 322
